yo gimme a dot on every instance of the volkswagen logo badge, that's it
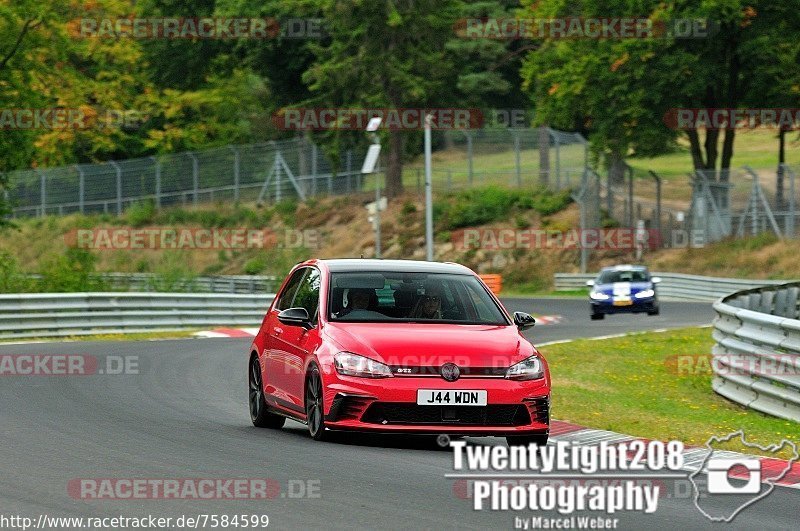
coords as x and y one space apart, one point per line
450 372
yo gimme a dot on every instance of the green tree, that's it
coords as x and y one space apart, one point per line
383 54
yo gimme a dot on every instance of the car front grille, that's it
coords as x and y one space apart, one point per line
466 372
405 413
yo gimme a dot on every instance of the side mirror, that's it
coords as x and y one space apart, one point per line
655 280
524 320
590 283
295 317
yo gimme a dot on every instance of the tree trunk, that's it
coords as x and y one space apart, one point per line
394 168
712 136
727 154
616 169
697 152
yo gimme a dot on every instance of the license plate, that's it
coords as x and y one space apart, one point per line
623 302
450 397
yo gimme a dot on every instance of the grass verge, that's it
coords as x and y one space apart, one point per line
631 385
143 336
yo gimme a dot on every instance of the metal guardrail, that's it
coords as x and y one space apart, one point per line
756 357
147 282
77 314
677 285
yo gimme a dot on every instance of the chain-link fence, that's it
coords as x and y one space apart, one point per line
292 168
508 157
745 202
267 171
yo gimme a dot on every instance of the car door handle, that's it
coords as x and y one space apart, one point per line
277 331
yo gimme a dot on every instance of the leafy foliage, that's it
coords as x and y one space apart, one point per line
478 206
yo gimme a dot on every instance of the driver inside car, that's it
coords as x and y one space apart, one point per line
428 307
358 302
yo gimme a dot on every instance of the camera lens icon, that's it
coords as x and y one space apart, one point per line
720 472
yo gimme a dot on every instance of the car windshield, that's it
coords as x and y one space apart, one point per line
631 275
411 297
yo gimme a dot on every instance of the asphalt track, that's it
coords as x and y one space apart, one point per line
185 416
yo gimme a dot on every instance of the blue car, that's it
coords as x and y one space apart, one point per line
623 289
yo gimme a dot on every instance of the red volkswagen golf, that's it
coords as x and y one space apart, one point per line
396 346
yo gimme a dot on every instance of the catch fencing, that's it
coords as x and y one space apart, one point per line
292 169
80 314
756 355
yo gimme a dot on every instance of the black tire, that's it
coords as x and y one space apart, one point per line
598 316
315 412
654 312
259 413
539 439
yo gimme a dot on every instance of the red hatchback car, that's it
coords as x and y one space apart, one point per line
396 346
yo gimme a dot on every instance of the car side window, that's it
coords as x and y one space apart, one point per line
308 293
287 295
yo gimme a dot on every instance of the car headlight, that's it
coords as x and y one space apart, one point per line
599 296
528 369
350 364
645 293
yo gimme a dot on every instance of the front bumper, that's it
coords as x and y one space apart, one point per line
648 304
389 405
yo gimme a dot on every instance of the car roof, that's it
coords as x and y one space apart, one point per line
625 267
393 266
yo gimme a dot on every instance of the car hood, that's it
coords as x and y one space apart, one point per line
623 288
426 345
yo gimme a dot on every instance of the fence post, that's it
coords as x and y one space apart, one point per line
543 143
557 142
658 200
349 169
517 164
42 192
469 155
790 228
630 197
195 178
81 188
157 164
6 195
236 173
314 168
119 186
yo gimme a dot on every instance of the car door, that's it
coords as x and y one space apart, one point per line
300 342
273 364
